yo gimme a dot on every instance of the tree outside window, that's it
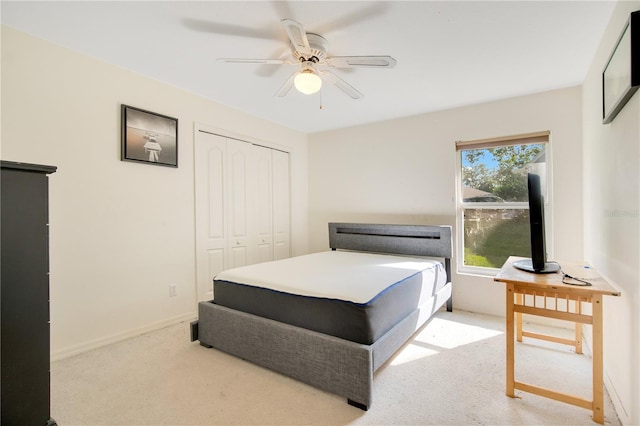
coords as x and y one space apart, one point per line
493 200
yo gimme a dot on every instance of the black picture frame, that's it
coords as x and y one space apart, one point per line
621 75
149 137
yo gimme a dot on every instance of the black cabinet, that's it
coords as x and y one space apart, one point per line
24 295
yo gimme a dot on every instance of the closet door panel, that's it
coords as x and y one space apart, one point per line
238 190
215 193
264 205
281 205
211 237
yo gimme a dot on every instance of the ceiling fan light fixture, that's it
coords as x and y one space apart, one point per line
307 82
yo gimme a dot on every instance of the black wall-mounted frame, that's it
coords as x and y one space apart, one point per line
621 75
149 137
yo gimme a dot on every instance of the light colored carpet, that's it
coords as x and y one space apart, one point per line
451 372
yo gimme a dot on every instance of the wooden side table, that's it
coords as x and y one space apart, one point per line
546 295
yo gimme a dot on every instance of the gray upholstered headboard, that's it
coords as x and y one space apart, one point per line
415 240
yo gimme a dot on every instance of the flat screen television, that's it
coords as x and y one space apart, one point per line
538 262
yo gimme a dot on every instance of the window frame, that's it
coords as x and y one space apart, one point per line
543 137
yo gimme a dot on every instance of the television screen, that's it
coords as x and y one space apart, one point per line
538 262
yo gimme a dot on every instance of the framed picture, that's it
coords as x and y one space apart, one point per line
621 76
148 137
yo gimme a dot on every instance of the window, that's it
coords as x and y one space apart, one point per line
493 208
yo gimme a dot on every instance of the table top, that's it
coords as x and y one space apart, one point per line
553 281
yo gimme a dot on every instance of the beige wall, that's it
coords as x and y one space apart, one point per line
611 217
121 232
403 171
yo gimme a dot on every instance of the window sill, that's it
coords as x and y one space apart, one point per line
478 271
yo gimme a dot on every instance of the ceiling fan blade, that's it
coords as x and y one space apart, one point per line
351 91
298 36
266 70
282 92
212 27
362 14
253 61
361 62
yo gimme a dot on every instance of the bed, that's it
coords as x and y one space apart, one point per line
332 319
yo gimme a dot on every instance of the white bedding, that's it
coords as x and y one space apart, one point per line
352 276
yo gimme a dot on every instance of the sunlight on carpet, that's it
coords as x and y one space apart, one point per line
441 334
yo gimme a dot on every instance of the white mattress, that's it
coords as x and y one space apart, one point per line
351 276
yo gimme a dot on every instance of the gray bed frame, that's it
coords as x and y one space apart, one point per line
329 363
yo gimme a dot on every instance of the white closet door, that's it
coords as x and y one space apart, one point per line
239 208
211 236
242 206
263 219
281 205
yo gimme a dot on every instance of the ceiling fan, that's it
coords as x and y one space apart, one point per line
310 51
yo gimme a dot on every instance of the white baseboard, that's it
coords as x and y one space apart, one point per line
103 341
622 413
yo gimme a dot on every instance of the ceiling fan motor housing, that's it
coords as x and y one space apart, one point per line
319 47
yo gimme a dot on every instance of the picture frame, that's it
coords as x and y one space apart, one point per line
149 137
621 75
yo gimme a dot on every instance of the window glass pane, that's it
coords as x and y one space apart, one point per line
492 235
500 174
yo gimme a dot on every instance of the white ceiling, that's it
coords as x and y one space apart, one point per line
449 54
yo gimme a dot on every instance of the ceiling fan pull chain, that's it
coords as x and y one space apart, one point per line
321 99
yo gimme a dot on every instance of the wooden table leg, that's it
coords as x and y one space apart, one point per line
598 382
519 318
510 342
578 336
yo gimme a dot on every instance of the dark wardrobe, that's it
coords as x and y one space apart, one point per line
24 295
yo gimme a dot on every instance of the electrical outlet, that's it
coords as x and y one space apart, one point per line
173 290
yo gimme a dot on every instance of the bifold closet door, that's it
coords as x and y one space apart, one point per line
211 218
263 204
281 205
242 206
240 193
